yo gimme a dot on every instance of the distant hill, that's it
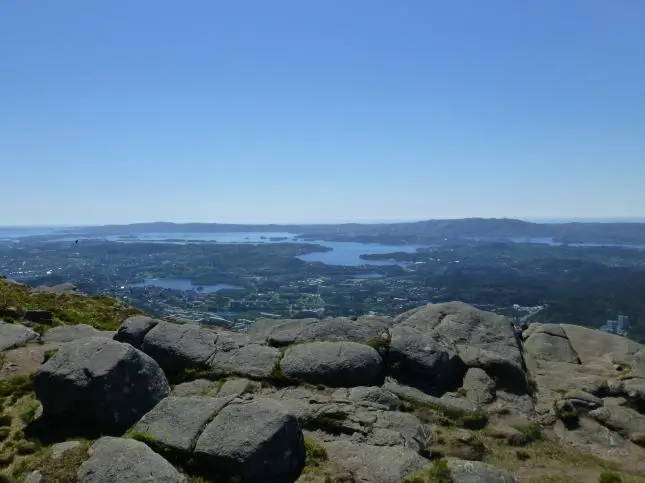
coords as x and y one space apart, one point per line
411 232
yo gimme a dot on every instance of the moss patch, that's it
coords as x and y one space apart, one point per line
103 313
437 473
316 456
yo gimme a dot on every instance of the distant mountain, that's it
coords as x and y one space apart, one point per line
411 232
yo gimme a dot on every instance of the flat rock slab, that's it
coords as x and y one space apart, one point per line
335 364
253 441
100 382
478 472
120 460
364 329
250 360
370 395
68 333
456 406
177 422
198 387
15 335
236 387
371 464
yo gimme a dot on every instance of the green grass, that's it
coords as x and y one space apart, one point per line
609 478
437 473
316 456
16 386
103 313
26 409
379 344
531 431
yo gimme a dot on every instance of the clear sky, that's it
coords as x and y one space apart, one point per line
312 111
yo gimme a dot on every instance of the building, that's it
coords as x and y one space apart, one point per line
620 326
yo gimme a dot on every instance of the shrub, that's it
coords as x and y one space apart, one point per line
316 455
522 455
16 386
4 433
609 478
26 447
531 431
5 420
437 473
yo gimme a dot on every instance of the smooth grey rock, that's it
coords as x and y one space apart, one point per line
198 387
374 394
59 449
424 353
477 472
236 387
100 382
333 363
582 400
250 360
623 420
368 463
593 345
180 346
550 342
256 441
286 332
34 477
454 405
121 460
69 333
15 335
177 422
134 329
479 386
407 428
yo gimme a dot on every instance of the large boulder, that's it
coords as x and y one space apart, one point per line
625 421
101 383
383 464
594 346
481 339
334 364
15 335
255 441
479 386
369 395
177 422
365 329
134 329
119 460
180 346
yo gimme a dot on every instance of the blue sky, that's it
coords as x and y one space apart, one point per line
316 111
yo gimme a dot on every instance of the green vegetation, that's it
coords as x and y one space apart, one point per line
16 386
101 312
316 456
567 413
609 478
49 354
26 409
437 473
531 431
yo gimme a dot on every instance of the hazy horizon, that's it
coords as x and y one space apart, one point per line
286 111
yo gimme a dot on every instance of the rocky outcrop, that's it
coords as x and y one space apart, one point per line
120 460
101 383
333 363
15 335
477 472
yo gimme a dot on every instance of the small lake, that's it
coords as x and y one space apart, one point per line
184 285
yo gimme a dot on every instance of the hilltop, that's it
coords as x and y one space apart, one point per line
93 391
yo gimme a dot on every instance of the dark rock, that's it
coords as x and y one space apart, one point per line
255 441
177 422
15 335
334 364
101 383
134 329
39 316
120 460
